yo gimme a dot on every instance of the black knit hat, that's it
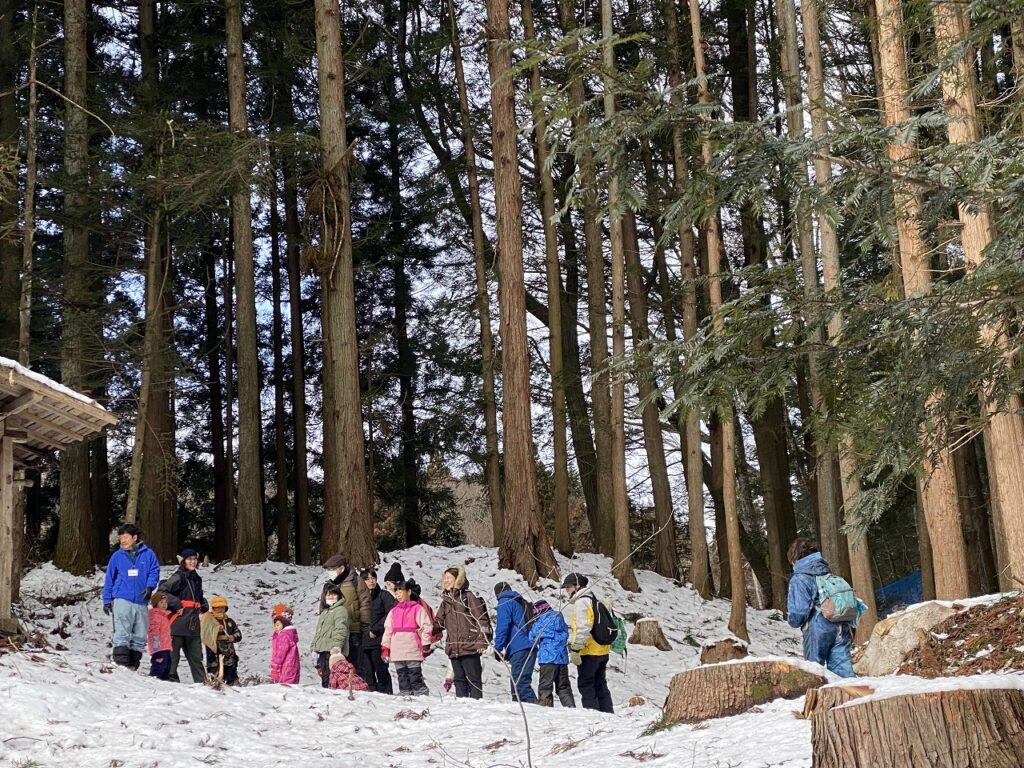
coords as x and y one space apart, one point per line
501 588
575 580
394 574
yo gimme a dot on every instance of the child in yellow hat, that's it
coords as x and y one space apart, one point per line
219 633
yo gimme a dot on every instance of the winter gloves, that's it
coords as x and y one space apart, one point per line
108 608
575 658
148 593
385 653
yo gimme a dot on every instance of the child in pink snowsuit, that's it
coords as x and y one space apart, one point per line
284 653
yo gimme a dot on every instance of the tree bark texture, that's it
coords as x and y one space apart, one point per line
250 544
948 729
348 521
939 497
525 546
222 545
649 632
10 126
820 700
280 438
721 690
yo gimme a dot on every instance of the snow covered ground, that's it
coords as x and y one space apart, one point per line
74 708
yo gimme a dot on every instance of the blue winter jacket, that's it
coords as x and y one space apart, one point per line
820 634
128 576
550 635
511 633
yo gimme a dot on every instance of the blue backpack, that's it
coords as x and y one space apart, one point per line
836 599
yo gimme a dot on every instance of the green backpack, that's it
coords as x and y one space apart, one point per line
836 599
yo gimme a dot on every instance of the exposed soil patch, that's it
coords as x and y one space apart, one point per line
983 638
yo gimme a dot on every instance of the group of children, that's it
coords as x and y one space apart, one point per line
218 633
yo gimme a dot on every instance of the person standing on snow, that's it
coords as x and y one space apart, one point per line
825 642
406 640
332 631
463 617
133 572
550 636
184 590
512 641
219 633
589 655
357 603
381 603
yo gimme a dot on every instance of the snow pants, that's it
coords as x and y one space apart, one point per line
379 678
829 645
160 665
521 666
593 683
131 623
555 676
469 676
410 678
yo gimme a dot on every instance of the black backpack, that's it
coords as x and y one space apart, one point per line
605 631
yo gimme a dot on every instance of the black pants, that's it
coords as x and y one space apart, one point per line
230 668
593 684
160 665
379 678
469 676
410 678
325 669
356 657
555 676
193 648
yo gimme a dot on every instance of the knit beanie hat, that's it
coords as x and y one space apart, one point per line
501 588
156 597
540 606
281 611
336 656
394 574
575 580
218 602
187 553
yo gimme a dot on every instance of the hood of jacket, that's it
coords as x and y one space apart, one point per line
812 565
510 594
461 579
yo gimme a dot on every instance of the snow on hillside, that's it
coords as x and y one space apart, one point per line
74 707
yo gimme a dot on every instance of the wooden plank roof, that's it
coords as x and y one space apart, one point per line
48 415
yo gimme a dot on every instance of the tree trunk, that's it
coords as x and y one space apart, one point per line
940 501
230 517
849 479
1006 420
924 545
700 571
29 207
553 271
941 729
820 700
981 564
280 440
76 515
666 556
603 522
214 342
10 257
648 632
250 542
348 520
713 240
285 120
721 690
525 546
623 567
492 464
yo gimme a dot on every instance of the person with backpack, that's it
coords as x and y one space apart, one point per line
550 636
591 633
512 641
463 617
824 607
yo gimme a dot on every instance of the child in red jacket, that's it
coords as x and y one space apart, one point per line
284 651
159 637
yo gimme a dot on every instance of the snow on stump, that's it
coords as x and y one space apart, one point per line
728 649
830 696
897 636
648 632
720 690
979 728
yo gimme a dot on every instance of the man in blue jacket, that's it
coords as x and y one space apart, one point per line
132 574
512 641
825 642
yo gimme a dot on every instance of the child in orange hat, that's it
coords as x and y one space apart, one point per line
219 633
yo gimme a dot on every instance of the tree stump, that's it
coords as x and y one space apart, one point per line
982 728
729 649
720 690
830 696
648 632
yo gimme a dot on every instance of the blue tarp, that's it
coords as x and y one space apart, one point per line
897 594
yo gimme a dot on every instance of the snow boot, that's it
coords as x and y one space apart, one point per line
546 701
122 656
135 658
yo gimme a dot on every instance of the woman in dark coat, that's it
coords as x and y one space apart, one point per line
381 602
184 590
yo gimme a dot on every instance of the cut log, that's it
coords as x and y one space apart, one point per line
830 696
981 728
720 690
897 636
729 649
648 632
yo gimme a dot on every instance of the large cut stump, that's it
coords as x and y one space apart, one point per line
648 632
982 728
717 651
830 696
720 690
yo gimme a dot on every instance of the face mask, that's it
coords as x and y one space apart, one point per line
330 602
329 576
